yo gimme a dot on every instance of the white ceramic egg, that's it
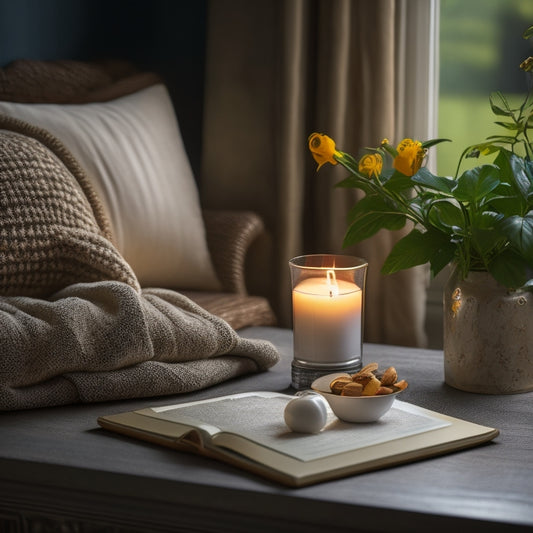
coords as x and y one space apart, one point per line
306 413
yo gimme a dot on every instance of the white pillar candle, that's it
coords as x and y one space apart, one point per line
327 319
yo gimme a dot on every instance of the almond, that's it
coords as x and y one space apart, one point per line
389 377
401 385
371 367
338 384
372 387
363 378
352 389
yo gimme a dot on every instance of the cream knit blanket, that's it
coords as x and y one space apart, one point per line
74 324
104 341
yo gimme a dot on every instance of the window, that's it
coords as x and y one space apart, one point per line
481 48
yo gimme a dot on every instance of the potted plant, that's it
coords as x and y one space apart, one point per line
480 221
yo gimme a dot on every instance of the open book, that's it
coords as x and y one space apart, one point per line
248 431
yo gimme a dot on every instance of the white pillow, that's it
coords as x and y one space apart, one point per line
133 153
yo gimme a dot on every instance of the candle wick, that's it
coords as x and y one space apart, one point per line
331 280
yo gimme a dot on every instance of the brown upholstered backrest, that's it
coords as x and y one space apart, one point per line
70 82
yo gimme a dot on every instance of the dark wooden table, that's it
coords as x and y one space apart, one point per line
60 472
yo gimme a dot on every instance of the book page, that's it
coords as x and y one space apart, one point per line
260 419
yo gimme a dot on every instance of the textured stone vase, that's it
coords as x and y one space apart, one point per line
488 336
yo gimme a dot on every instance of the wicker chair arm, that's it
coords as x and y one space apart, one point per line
229 235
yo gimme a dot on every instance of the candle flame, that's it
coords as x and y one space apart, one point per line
331 281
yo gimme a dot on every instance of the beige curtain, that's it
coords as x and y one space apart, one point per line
278 70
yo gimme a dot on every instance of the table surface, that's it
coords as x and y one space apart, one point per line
57 462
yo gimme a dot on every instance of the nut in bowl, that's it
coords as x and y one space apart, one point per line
362 397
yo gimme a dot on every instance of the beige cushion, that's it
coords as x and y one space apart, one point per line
132 150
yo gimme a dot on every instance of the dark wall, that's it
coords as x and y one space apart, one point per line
166 36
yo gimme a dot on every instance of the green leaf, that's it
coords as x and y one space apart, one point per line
520 173
486 148
420 205
418 248
509 269
485 236
476 183
528 33
442 257
507 139
369 224
524 122
356 182
433 142
427 179
486 220
506 205
373 203
398 182
514 170
499 105
508 125
447 216
370 215
528 169
519 231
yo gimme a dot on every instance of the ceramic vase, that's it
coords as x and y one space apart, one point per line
488 336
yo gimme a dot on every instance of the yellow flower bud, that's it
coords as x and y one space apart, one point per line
527 64
371 165
410 157
322 148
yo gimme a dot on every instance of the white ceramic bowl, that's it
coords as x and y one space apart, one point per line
353 408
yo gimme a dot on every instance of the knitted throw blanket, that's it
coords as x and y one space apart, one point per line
74 324
52 228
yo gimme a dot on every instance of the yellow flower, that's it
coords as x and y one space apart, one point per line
410 157
322 148
371 165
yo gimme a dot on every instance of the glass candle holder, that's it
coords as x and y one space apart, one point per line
328 310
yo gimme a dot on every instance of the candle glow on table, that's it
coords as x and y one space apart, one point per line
327 319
